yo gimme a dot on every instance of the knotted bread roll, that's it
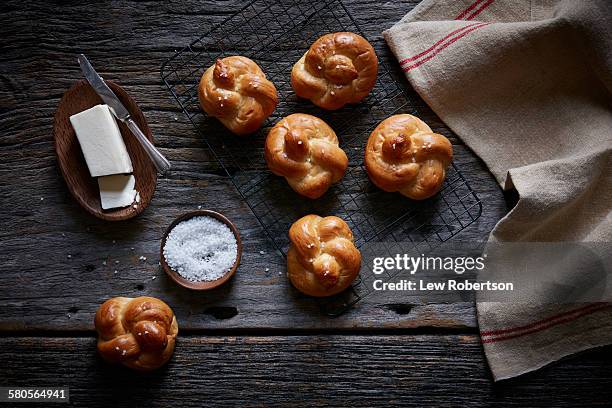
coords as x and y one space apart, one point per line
339 68
304 149
403 154
322 259
235 91
136 332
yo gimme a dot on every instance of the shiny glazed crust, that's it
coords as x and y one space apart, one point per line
403 154
304 149
339 68
137 332
322 259
235 91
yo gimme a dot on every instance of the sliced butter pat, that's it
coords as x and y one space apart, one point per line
101 141
117 191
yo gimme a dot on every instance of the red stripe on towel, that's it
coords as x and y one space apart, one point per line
419 55
477 12
457 31
435 52
467 10
530 325
543 324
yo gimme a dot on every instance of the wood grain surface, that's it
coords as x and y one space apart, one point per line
310 371
61 290
254 341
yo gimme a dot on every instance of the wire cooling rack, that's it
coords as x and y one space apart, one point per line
373 215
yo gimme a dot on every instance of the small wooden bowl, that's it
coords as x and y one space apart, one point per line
204 285
82 186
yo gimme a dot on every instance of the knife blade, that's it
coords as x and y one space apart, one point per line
98 84
120 112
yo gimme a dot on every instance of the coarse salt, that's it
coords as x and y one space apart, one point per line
201 249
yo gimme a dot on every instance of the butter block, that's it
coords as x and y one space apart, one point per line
117 190
101 141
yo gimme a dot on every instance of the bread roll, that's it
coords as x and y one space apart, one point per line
304 149
137 332
403 154
235 91
322 259
339 68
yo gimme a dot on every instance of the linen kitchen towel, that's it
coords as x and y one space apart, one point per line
527 85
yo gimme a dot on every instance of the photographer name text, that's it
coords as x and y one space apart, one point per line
415 264
449 285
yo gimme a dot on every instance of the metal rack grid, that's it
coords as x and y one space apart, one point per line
373 215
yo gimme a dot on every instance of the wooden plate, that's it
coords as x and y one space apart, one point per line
82 186
204 285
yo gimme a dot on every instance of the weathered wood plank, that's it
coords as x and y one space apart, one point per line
43 285
44 289
363 371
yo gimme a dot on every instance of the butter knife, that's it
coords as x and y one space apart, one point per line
108 96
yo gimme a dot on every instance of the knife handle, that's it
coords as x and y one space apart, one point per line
161 163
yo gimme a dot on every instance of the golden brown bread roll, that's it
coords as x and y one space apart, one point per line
137 332
235 91
403 154
339 68
304 149
322 259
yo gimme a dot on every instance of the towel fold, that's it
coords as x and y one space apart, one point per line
526 84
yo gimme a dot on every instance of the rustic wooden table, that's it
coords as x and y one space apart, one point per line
253 341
